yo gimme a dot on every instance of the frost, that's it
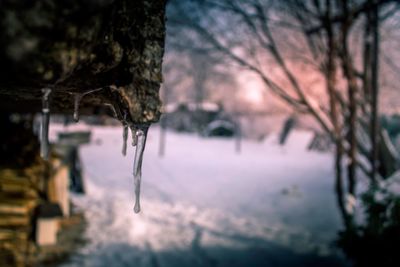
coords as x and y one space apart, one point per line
44 130
141 136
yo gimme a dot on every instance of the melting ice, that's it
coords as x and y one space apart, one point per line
141 135
134 136
77 99
44 129
125 139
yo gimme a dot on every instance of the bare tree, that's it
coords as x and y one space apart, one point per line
322 35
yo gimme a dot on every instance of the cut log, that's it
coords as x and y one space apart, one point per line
22 202
13 235
58 189
13 209
76 46
14 221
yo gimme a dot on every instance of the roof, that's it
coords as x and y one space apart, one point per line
191 106
220 123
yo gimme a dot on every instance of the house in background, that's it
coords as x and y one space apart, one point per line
206 118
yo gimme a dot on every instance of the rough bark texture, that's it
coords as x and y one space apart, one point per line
374 92
76 46
352 91
331 84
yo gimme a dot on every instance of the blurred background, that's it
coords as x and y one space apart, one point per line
278 145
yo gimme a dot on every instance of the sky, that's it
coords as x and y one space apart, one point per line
240 88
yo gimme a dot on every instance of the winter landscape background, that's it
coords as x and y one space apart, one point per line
203 204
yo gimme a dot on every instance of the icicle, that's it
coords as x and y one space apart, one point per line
112 109
125 133
77 99
141 135
134 136
125 139
44 129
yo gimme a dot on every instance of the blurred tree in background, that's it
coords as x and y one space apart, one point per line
323 58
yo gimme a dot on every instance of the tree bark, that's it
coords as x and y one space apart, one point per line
352 89
76 46
374 92
330 77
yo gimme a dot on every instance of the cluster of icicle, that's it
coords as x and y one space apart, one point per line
139 136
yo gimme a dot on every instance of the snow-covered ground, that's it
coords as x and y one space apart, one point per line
205 205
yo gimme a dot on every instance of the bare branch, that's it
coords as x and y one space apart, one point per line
353 13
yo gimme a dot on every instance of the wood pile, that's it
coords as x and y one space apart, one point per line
20 195
18 200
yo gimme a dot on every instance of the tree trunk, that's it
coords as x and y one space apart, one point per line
330 76
352 89
375 93
74 47
352 153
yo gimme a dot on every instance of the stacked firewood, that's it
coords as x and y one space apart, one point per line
18 200
22 193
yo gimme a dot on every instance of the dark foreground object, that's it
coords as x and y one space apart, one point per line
76 46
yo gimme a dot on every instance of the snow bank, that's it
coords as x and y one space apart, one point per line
204 204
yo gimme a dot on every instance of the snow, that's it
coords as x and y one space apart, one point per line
392 150
205 205
192 106
391 185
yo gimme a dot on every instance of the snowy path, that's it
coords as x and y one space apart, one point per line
204 205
